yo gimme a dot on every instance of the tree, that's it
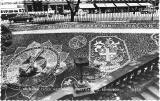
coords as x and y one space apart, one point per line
37 5
6 37
73 8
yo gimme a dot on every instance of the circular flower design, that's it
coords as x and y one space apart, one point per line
33 67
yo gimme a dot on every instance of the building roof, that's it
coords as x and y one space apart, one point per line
105 5
133 4
121 4
109 5
10 6
86 5
145 4
100 5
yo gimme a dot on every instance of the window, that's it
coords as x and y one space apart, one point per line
4 11
29 7
15 10
20 10
10 11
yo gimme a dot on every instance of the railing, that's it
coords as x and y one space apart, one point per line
126 16
148 64
144 66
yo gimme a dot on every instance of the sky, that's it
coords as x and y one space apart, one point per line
20 0
11 0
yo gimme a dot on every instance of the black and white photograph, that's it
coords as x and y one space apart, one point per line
79 50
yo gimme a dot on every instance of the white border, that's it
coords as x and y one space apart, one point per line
133 31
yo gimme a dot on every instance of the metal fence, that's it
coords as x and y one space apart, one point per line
126 16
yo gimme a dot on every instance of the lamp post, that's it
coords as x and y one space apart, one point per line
152 9
25 6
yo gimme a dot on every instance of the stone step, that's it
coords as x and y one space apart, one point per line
158 76
148 96
136 98
154 90
157 83
139 96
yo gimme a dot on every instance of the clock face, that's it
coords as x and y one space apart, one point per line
31 66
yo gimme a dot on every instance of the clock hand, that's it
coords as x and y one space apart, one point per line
33 60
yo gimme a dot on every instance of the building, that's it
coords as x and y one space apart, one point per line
58 6
11 8
124 5
91 6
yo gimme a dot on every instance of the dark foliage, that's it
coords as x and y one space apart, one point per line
6 37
